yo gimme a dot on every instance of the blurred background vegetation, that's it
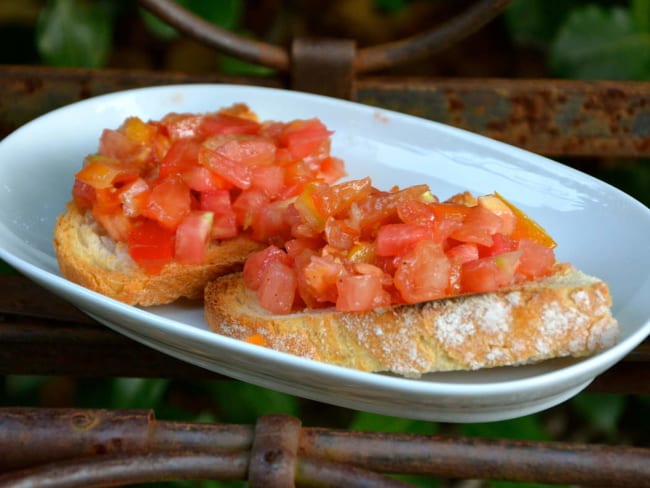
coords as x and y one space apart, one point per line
578 39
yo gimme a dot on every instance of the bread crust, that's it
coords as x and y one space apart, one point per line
567 314
87 256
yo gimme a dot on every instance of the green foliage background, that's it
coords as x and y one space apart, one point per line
571 38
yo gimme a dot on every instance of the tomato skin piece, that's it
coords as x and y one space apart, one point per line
423 273
277 291
357 293
151 246
192 236
398 239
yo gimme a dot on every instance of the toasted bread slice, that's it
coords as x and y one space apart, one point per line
566 314
90 258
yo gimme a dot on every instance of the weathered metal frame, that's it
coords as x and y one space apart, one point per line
78 447
43 335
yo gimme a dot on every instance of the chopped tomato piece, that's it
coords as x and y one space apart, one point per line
247 204
134 197
151 246
201 179
192 237
478 227
242 149
423 273
236 174
277 290
83 194
398 239
488 274
221 123
305 137
321 276
181 157
169 202
269 179
463 253
258 262
103 172
357 293
500 244
536 259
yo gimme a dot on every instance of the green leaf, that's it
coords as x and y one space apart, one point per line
529 427
138 392
595 43
600 410
244 403
75 33
5 269
535 22
370 422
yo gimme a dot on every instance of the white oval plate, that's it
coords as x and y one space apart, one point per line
598 228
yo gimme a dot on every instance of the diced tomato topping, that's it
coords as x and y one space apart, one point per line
151 246
357 248
169 202
221 123
258 261
134 197
478 227
423 273
182 156
103 172
304 137
83 194
357 293
398 239
192 237
185 170
277 290
536 259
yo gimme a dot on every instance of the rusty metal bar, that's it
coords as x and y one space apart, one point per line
274 451
87 444
552 117
473 458
368 59
35 436
129 469
432 41
213 36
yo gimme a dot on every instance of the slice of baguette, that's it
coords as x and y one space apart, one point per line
89 257
566 314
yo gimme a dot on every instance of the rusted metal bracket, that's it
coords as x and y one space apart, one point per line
367 59
324 67
78 447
